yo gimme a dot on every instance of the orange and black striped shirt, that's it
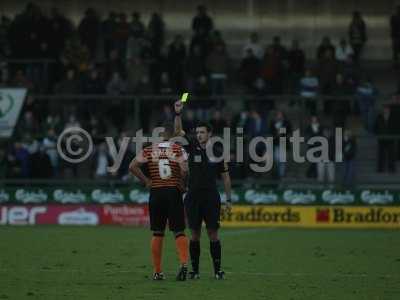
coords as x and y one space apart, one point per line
163 161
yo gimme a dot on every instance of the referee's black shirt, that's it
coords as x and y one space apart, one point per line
203 170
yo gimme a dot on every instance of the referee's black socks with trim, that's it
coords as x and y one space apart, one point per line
215 250
194 248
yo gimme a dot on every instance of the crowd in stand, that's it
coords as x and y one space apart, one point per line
121 55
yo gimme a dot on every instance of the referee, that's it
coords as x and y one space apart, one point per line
202 201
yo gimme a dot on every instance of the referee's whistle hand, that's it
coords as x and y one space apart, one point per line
227 207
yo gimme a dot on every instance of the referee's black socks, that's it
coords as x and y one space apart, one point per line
215 250
194 248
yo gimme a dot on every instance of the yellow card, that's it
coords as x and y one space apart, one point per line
184 97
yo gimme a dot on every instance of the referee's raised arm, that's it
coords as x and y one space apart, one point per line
178 119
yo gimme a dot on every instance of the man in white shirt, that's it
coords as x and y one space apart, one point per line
344 52
254 45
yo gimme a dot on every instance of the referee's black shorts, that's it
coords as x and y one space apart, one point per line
166 204
203 205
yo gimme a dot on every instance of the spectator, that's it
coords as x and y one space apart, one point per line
20 80
165 85
339 108
366 94
327 165
121 35
386 125
313 130
275 60
156 33
249 69
195 67
93 84
136 27
357 35
60 30
202 88
88 30
344 52
12 165
5 25
72 122
218 123
109 26
216 40
202 42
253 45
296 60
134 49
144 87
202 24
49 145
176 60
217 65
309 87
395 112
279 49
166 115
190 121
4 76
280 127
97 129
77 54
52 122
68 86
327 71
28 124
349 153
324 47
3 162
22 163
41 167
102 160
114 65
137 69
395 34
115 87
256 125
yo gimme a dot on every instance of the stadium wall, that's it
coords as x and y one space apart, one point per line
307 20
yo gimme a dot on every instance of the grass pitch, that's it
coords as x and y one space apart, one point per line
114 263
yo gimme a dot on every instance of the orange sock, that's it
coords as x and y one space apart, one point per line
156 252
182 245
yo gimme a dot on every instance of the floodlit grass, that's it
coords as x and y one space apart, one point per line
114 263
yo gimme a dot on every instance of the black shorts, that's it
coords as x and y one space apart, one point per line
166 204
203 206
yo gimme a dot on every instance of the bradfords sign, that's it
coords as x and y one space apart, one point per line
358 217
313 216
11 101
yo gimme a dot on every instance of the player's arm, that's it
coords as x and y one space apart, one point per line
134 168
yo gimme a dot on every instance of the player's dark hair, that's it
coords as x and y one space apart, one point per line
206 125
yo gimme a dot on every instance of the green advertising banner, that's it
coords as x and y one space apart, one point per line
136 194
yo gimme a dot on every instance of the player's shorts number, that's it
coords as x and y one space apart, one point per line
164 168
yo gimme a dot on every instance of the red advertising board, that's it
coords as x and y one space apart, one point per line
125 214
74 214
